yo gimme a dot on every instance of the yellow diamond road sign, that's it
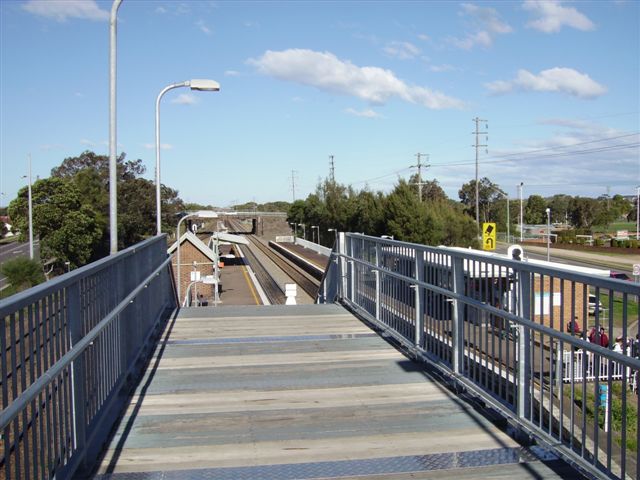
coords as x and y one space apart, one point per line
488 236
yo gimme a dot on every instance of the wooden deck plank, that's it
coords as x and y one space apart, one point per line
282 387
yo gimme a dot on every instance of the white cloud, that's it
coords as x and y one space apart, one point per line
424 37
185 99
442 68
558 79
203 27
368 113
161 10
487 24
51 146
61 10
163 146
552 16
87 142
231 73
401 50
326 72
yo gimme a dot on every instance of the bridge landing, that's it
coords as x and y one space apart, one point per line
292 392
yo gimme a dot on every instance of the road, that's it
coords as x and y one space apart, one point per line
617 263
14 250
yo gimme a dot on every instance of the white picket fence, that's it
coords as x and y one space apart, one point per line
573 368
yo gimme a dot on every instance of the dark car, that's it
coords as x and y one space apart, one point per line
621 276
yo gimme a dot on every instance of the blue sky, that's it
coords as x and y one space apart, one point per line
371 83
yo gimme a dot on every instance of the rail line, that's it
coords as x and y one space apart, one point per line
310 286
272 289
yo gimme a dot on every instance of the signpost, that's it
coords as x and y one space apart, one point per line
488 236
636 271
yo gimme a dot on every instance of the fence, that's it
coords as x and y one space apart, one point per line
573 363
68 348
494 325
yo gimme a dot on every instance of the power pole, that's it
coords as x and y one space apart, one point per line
332 169
419 166
477 145
293 184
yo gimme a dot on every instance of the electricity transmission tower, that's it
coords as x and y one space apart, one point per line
419 166
478 146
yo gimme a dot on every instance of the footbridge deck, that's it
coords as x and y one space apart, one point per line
286 392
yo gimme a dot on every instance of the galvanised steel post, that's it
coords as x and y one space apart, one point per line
378 273
457 331
524 343
342 249
113 169
420 306
78 377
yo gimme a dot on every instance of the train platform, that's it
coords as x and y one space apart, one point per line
238 286
315 258
302 392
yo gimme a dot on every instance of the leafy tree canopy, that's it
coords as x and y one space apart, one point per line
22 273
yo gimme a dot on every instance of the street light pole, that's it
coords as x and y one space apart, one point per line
201 214
638 214
304 231
548 210
195 84
317 237
30 214
113 169
508 221
521 217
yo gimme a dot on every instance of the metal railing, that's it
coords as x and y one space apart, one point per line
68 349
496 326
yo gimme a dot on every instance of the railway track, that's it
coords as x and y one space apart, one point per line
272 289
309 285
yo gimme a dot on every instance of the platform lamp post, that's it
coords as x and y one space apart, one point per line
194 84
200 214
335 231
304 231
548 211
317 237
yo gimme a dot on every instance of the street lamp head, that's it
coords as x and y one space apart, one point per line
204 85
548 210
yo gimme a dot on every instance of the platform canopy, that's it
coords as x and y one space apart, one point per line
229 238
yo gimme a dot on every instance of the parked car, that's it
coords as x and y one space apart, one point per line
621 276
594 305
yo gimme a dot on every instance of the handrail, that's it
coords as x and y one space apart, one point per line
31 392
26 297
497 327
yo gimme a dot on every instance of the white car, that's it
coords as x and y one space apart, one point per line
594 305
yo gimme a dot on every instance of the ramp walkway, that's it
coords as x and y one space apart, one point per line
299 392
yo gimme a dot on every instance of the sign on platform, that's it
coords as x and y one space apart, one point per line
488 236
636 269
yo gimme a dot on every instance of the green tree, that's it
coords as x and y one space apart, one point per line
488 194
22 273
534 210
67 229
582 211
559 205
408 219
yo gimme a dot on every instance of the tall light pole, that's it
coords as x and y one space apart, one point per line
335 231
201 214
113 168
317 237
195 84
638 213
28 177
548 211
304 231
521 217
